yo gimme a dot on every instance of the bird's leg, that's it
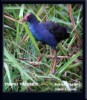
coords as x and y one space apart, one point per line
55 61
39 58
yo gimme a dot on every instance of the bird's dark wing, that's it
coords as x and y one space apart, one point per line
51 26
57 30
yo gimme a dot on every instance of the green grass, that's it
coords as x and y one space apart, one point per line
19 43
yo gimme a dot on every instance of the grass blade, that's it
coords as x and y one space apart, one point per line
66 65
31 37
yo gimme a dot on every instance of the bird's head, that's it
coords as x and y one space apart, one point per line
29 18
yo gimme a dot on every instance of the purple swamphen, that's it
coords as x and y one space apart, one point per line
48 32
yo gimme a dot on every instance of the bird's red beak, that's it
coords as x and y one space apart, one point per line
25 18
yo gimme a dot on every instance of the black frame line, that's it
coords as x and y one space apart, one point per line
65 95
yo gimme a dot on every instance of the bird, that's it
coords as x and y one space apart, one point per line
49 33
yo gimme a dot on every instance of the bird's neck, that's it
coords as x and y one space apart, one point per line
33 22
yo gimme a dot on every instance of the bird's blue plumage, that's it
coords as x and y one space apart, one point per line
48 32
42 34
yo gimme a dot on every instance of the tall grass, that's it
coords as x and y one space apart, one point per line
21 50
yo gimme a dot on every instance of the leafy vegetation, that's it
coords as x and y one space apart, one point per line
21 50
